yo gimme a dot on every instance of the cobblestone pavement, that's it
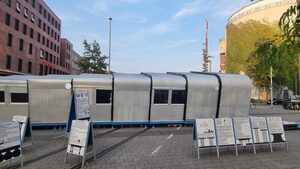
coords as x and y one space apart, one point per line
162 148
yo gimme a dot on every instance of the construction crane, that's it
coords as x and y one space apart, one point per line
206 61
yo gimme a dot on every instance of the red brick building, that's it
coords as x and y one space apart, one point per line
30 39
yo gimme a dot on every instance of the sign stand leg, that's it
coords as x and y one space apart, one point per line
254 148
198 153
83 160
66 158
236 150
218 153
286 146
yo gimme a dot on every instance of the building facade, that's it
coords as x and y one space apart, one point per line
75 57
30 41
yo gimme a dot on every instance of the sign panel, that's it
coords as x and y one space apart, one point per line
82 104
78 137
276 130
259 129
205 132
225 134
10 144
242 130
22 120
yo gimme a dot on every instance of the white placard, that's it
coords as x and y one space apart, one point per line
9 135
242 130
78 137
82 104
225 134
22 120
205 132
276 129
260 129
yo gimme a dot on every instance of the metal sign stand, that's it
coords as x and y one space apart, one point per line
282 133
267 130
26 130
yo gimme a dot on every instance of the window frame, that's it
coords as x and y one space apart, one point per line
172 96
105 90
2 92
15 102
161 90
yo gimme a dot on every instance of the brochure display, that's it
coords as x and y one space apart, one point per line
82 104
243 134
276 130
204 134
26 129
10 142
79 139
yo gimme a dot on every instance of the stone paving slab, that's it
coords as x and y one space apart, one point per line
172 148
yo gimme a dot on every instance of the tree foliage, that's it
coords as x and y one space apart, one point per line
92 61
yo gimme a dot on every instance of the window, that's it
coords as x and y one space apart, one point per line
9 40
39 37
46 70
40 8
161 96
19 97
103 96
24 29
8 61
31 33
43 40
20 65
30 48
8 3
40 23
2 97
41 70
33 3
44 27
7 19
29 67
17 24
178 96
21 44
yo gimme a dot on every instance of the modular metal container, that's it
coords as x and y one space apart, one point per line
13 97
168 97
235 95
50 98
202 95
100 89
131 97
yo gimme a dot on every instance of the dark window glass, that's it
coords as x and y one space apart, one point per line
21 44
161 96
9 39
29 67
2 97
41 69
39 37
178 96
7 19
40 8
46 70
24 29
17 24
40 23
31 33
19 97
30 48
33 3
103 96
8 3
20 65
8 62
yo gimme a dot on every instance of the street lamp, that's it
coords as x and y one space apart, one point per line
109 46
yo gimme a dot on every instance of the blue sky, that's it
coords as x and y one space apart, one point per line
148 35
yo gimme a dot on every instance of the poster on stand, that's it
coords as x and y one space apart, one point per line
242 130
276 129
225 133
205 132
260 129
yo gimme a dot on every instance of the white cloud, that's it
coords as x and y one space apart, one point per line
189 9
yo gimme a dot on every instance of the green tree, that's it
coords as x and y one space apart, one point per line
93 61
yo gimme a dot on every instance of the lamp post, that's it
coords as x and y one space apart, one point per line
109 46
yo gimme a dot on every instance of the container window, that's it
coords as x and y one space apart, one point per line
19 97
161 96
103 96
178 96
2 97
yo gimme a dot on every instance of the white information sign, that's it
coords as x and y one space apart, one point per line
260 129
205 132
82 104
225 133
276 130
9 135
242 130
22 120
78 137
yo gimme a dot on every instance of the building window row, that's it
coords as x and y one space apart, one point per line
21 44
25 29
20 64
45 70
48 17
49 57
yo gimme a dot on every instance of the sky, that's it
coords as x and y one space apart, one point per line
148 35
